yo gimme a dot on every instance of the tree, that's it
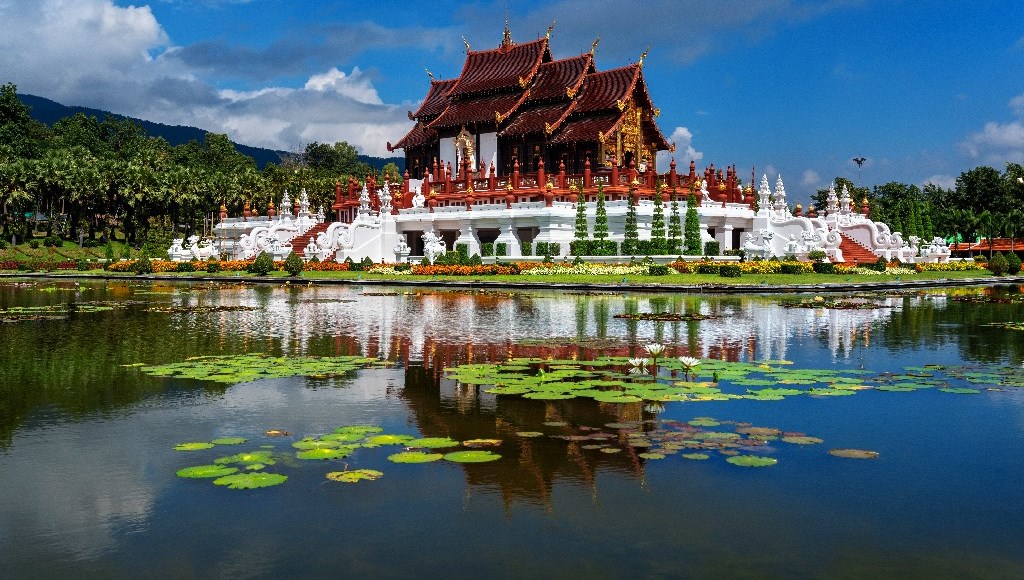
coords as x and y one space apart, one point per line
580 233
630 231
600 220
979 189
989 225
1013 223
18 130
658 226
675 230
691 240
962 225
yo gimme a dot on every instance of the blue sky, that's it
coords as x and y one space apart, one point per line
923 89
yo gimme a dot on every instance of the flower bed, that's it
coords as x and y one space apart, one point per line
442 270
325 266
586 268
963 266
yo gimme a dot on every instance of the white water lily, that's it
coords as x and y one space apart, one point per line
689 362
654 349
638 362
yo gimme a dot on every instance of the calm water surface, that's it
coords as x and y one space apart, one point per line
87 470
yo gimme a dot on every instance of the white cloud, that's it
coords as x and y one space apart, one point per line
356 85
97 54
684 153
943 181
810 178
1017 104
683 139
998 143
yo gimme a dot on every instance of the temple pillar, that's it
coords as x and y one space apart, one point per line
561 174
588 178
541 182
615 174
673 177
468 237
725 238
492 178
515 173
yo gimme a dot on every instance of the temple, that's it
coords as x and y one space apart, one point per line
514 108
499 159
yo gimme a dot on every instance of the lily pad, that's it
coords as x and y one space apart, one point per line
433 443
695 456
472 456
652 455
389 439
802 440
703 422
960 390
251 480
193 446
854 453
529 434
323 453
414 457
354 476
474 443
229 441
752 461
202 471
247 458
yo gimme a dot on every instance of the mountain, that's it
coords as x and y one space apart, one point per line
46 111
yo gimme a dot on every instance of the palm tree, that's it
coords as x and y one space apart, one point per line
1012 224
988 224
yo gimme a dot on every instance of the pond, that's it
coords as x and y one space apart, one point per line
587 464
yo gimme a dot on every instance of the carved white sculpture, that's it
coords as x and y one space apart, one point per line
764 194
433 246
364 200
704 195
832 202
418 200
384 198
780 195
844 201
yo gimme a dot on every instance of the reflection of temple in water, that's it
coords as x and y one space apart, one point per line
441 328
429 330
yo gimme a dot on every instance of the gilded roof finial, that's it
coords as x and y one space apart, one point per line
643 56
429 74
506 39
466 42
550 28
594 45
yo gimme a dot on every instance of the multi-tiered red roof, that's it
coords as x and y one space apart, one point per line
542 110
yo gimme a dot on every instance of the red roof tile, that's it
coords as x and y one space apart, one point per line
535 119
419 135
478 110
998 245
587 128
553 78
436 100
500 68
601 90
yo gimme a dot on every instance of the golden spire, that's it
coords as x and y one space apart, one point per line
429 74
550 28
506 39
466 42
594 45
643 56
